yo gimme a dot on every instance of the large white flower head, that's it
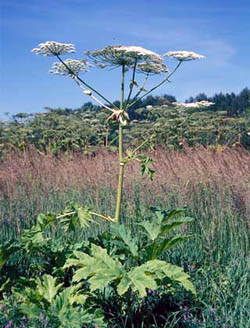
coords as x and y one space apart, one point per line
151 68
140 53
183 55
71 67
53 48
198 104
123 55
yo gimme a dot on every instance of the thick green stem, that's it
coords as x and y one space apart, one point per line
121 170
119 193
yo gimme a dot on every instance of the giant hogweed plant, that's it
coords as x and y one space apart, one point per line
131 60
108 277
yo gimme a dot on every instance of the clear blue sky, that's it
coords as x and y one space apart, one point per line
218 29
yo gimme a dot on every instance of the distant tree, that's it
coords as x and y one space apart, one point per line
169 98
20 117
234 105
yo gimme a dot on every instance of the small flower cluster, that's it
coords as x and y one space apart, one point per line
53 48
184 55
71 67
151 68
198 104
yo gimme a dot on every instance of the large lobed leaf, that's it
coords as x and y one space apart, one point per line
47 287
100 267
147 276
124 233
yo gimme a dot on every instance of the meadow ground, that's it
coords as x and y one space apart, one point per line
214 185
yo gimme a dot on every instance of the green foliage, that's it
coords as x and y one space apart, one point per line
71 292
125 237
75 217
84 129
100 269
61 309
6 250
145 162
157 229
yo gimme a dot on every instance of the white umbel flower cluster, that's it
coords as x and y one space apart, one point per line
53 48
198 104
71 68
151 68
183 55
123 55
140 53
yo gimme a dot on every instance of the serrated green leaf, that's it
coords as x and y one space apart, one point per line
84 216
173 214
140 281
82 273
124 285
32 311
176 273
160 269
172 225
75 216
158 247
170 242
6 250
125 234
100 267
153 228
47 287
100 254
44 220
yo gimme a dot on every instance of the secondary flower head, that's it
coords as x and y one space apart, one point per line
151 68
198 104
72 67
184 55
123 55
53 48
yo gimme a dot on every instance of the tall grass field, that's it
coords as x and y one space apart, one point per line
213 185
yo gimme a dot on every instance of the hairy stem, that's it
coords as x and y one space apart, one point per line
121 170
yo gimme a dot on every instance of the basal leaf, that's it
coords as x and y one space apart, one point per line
100 254
32 311
47 287
102 279
170 242
168 226
124 284
125 234
161 269
140 281
153 228
6 250
176 273
173 214
100 268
